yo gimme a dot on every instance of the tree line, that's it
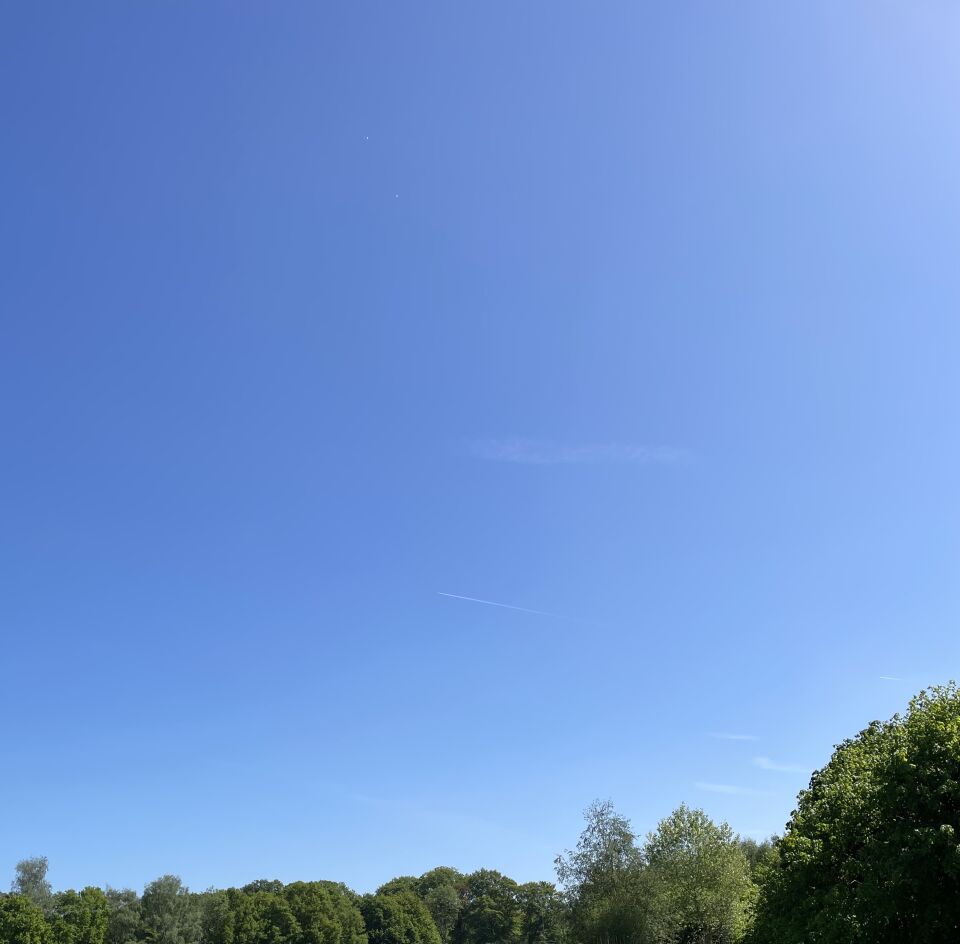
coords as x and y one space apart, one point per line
871 854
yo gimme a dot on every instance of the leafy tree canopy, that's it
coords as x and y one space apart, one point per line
123 915
80 917
443 903
31 881
603 881
398 918
442 875
872 852
169 913
400 885
22 921
542 913
698 879
326 912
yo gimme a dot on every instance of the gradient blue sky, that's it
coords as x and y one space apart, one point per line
643 316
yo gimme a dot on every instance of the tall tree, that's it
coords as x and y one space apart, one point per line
603 881
80 917
442 890
217 920
440 876
261 917
31 881
491 912
399 885
326 912
443 903
399 918
272 885
22 922
541 913
123 916
169 913
871 852
698 878
759 855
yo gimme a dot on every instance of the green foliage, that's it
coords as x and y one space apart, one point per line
272 885
603 881
262 917
22 921
490 911
441 890
697 879
80 918
443 903
441 876
31 881
760 856
402 884
123 915
398 918
872 852
606 852
217 922
689 884
267 912
326 912
542 913
169 913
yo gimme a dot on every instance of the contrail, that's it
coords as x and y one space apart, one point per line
505 606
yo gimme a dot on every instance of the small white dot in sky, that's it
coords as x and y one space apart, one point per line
396 195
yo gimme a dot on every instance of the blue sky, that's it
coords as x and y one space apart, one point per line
640 318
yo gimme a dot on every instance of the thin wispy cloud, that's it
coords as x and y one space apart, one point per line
764 763
727 736
731 789
504 606
891 678
540 452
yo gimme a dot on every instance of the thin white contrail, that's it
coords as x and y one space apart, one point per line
505 606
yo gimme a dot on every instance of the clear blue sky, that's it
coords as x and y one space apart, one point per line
644 316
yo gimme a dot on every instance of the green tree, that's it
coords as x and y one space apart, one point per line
441 890
326 912
603 881
169 913
759 855
217 918
399 885
22 921
398 918
80 918
442 875
31 881
272 885
245 921
872 852
490 912
123 916
698 880
443 903
260 917
280 926
541 913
